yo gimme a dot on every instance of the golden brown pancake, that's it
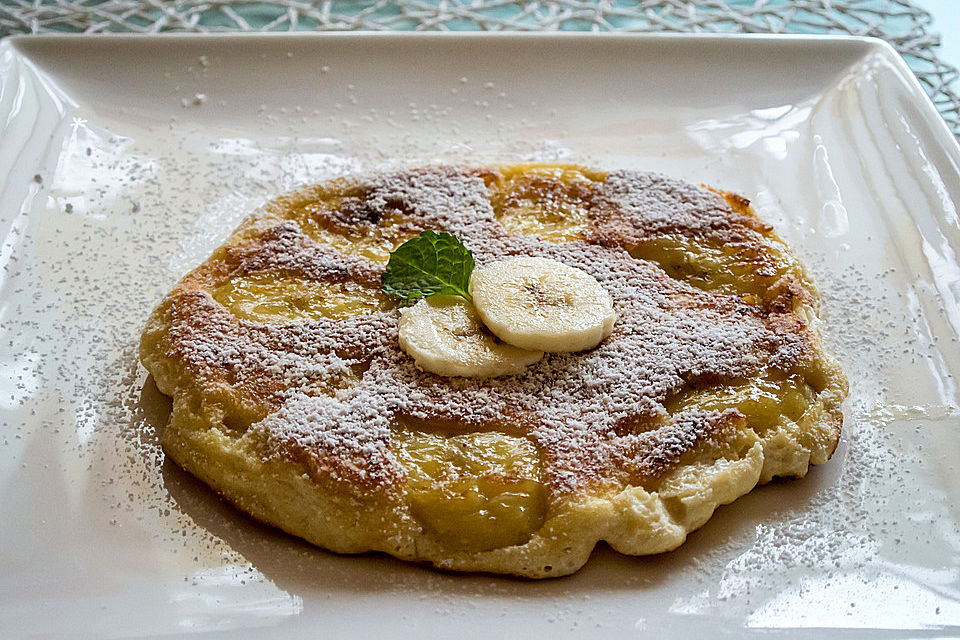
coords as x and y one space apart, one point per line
293 400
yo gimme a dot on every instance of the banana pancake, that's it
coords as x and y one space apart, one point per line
293 398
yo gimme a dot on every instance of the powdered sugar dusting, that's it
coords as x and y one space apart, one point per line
595 415
286 247
648 203
344 438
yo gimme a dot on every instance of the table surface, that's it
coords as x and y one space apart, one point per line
946 22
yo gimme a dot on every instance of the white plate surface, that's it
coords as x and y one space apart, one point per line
125 160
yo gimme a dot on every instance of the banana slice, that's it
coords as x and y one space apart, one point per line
542 304
444 336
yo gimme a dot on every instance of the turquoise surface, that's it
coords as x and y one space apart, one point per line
946 22
865 17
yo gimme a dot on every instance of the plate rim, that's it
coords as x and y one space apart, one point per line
21 43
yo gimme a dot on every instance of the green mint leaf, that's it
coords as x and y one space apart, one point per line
430 264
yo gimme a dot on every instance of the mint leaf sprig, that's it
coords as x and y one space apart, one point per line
430 264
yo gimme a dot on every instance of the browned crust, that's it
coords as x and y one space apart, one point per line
277 242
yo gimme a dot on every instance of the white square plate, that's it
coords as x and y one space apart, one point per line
125 160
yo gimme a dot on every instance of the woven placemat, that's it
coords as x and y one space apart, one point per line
901 22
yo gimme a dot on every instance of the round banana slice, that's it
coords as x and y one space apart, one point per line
542 304
444 336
